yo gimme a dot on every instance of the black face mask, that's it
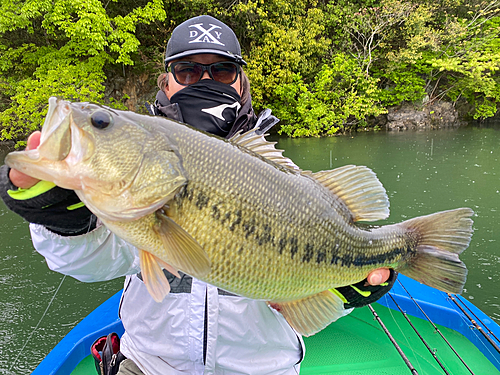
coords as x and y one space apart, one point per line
209 105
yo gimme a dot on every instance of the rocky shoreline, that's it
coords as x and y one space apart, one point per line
432 116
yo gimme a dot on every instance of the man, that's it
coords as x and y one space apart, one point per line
197 328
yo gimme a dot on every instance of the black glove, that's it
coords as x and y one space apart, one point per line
59 210
359 295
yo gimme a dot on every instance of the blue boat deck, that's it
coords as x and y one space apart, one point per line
407 295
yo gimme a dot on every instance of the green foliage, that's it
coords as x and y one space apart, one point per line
285 39
74 80
60 48
472 73
322 66
400 85
447 48
339 99
369 26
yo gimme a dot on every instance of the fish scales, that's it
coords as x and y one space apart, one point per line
263 227
238 214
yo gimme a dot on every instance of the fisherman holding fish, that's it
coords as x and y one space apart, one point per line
197 328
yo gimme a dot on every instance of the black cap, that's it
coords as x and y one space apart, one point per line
203 34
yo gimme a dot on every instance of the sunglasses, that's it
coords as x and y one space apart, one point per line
186 73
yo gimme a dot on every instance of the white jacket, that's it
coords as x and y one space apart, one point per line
238 336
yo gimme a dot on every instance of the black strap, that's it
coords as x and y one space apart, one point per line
265 121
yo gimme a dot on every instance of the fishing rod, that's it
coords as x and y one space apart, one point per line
419 336
474 323
461 299
435 327
398 348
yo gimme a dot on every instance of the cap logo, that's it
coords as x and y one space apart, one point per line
203 35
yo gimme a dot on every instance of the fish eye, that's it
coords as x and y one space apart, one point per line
101 119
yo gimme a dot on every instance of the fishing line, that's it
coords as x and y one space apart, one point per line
398 348
420 336
474 331
37 325
435 327
403 334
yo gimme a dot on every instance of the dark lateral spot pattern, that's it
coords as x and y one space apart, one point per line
186 193
350 259
202 201
294 247
263 234
215 212
225 217
320 257
308 253
236 221
249 227
335 253
266 236
281 245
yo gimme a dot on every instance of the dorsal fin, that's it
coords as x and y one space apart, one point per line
359 188
258 144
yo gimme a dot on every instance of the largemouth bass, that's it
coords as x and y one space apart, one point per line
238 214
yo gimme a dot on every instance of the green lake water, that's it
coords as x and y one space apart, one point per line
423 172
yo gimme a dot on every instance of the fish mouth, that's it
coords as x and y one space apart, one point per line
55 142
46 162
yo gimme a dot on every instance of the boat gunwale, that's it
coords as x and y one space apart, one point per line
75 346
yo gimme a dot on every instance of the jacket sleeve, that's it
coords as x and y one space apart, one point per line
95 256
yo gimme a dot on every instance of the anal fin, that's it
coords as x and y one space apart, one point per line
311 314
155 280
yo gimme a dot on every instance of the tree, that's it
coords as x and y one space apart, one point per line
339 99
323 66
60 48
442 51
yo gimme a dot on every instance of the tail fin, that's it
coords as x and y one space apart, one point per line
440 238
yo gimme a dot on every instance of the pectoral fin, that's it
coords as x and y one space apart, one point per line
182 250
155 280
311 314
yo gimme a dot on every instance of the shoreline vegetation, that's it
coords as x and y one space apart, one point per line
323 67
